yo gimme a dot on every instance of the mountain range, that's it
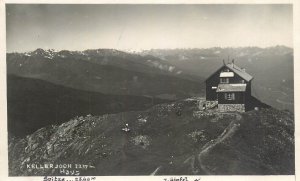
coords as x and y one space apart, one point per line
105 71
271 67
47 75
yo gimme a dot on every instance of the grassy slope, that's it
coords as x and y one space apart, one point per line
33 104
104 78
175 139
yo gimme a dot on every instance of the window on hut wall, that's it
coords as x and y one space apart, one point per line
229 96
224 80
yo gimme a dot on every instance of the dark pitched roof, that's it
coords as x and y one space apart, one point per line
231 88
237 70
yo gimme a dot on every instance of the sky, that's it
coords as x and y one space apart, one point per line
145 26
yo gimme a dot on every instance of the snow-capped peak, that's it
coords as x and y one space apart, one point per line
49 53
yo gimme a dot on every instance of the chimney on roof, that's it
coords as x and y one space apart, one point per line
243 69
228 59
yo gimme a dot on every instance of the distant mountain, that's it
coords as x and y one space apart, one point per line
206 53
167 139
124 60
33 103
271 67
106 71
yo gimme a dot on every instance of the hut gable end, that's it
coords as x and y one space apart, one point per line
239 72
230 87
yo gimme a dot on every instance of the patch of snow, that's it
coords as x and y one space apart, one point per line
161 67
126 129
182 57
82 53
171 68
47 57
242 54
179 72
143 120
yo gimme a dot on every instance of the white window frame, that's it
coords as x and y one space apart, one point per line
230 96
224 80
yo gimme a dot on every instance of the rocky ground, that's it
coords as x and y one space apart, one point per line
173 138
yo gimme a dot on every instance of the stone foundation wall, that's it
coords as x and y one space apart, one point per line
231 107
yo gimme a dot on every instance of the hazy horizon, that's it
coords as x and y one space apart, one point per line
140 50
144 27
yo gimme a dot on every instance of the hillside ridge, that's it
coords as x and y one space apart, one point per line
199 142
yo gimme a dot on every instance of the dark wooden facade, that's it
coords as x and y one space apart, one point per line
239 98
